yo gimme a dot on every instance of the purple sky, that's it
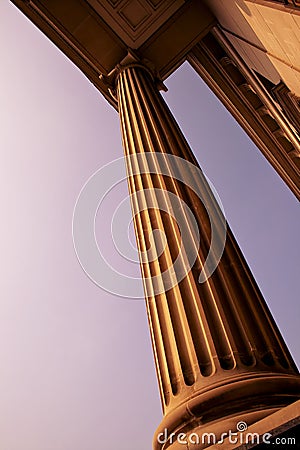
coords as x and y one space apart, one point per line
77 369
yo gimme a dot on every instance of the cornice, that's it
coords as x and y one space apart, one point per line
85 37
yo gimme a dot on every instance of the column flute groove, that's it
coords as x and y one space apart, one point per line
180 333
185 351
205 363
144 222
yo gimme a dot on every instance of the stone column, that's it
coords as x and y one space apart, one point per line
219 355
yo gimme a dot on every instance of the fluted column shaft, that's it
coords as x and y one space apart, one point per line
218 351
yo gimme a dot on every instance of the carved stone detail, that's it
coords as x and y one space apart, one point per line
135 20
252 106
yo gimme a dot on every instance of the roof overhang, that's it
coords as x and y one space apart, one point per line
97 34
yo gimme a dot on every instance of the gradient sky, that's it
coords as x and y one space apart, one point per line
77 369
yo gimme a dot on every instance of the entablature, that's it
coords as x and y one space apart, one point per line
96 35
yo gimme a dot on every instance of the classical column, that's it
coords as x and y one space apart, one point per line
218 352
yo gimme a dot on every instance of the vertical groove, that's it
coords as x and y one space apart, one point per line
197 330
176 315
173 231
157 340
224 349
175 307
167 334
242 337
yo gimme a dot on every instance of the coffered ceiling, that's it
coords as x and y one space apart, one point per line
134 21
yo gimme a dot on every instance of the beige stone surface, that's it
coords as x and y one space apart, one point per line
274 423
266 34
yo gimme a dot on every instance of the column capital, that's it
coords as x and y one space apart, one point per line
132 60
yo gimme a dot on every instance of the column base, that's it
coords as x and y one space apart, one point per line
236 402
